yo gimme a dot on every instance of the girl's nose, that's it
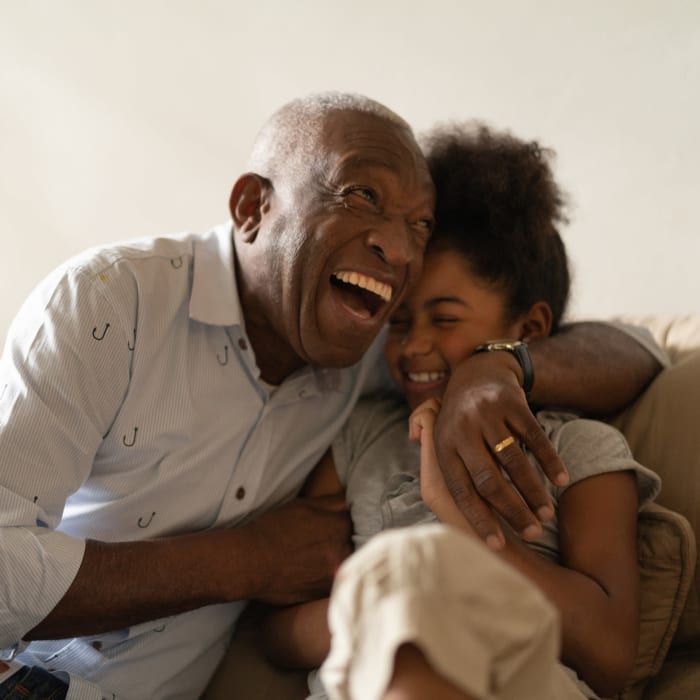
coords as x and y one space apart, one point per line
416 344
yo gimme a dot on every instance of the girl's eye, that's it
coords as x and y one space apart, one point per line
444 320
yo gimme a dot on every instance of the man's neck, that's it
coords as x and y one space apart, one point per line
275 359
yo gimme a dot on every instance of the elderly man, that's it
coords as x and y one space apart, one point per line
163 400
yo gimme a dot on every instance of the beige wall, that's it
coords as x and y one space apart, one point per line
122 119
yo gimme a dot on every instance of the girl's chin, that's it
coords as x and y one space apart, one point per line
416 398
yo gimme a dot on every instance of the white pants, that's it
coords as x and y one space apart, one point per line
481 624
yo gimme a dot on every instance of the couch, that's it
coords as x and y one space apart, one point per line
663 430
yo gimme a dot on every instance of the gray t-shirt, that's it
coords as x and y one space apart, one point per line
380 468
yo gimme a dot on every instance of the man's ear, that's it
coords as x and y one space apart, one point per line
537 322
248 203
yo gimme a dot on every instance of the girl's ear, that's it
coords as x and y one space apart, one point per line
248 204
537 322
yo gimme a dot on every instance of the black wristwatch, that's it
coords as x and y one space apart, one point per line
522 354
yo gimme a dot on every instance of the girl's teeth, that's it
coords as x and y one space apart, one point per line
425 376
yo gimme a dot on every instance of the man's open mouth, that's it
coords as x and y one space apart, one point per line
362 294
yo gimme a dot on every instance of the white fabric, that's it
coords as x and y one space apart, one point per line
445 591
131 408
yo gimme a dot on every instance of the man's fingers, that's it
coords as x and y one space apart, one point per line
493 487
545 454
521 472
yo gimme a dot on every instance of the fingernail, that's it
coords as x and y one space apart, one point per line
545 513
494 542
531 532
562 479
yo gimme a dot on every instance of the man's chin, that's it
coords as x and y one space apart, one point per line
333 355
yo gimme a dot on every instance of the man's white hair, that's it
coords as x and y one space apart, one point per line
290 135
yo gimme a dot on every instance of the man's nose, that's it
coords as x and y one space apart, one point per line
392 241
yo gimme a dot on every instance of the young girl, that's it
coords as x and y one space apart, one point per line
495 268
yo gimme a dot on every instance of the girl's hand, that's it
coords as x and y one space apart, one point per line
433 487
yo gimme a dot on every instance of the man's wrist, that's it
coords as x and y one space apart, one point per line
520 352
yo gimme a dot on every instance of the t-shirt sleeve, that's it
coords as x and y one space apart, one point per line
589 448
644 337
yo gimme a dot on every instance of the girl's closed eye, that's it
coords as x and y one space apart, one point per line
444 319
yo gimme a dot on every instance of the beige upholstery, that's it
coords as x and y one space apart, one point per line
663 428
667 556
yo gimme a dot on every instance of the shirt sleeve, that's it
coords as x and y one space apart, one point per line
644 337
63 375
589 448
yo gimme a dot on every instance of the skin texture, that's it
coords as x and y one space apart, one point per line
595 586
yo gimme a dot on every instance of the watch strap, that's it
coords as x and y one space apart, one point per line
520 351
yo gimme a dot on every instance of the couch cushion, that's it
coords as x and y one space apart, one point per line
667 554
663 431
679 679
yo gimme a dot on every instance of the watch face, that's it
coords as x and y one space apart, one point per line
500 345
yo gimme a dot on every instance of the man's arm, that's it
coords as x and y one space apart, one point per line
592 367
287 556
595 368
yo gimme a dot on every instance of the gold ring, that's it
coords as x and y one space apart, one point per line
503 444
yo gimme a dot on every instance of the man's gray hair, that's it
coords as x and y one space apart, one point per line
290 135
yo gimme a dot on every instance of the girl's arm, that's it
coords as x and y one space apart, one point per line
595 586
298 636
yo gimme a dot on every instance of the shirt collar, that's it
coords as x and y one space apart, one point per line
214 299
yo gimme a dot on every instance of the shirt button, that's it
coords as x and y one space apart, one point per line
97 644
240 493
242 344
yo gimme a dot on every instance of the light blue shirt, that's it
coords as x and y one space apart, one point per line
130 408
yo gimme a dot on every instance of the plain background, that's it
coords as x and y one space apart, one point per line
128 118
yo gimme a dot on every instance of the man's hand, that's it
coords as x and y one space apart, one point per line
302 544
483 407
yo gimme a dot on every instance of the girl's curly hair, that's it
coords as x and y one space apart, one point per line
499 206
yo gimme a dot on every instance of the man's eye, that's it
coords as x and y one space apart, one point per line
365 193
444 320
423 229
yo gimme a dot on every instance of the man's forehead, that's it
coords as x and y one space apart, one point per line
371 142
358 129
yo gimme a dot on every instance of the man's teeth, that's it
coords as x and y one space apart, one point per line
426 376
357 279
